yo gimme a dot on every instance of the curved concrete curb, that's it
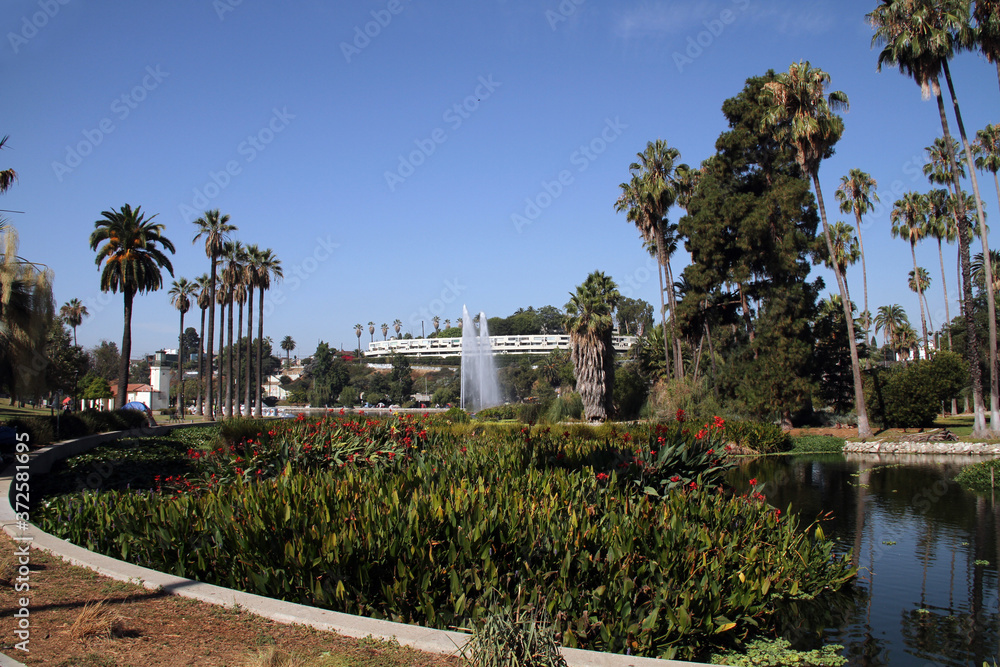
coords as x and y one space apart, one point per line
424 639
964 448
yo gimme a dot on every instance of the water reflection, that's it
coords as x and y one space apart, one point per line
916 537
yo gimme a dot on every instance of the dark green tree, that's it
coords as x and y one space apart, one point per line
329 375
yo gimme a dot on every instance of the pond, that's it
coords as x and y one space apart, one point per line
926 549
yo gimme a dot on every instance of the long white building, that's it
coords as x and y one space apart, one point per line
452 347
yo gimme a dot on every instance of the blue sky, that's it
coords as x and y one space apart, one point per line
459 152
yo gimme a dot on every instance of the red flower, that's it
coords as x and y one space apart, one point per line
693 485
675 478
711 451
718 423
701 434
342 412
680 415
753 482
601 477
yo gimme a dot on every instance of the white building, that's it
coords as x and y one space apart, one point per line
156 394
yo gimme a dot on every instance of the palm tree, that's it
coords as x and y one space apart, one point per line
920 287
858 194
357 331
371 330
129 247
396 326
73 312
204 295
288 344
919 37
180 293
216 230
385 330
846 250
802 116
436 321
645 200
979 270
223 296
909 222
906 341
267 269
232 281
941 227
447 324
589 323
987 35
890 320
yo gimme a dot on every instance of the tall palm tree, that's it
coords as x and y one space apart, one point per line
919 37
986 150
223 296
7 176
267 271
906 341
385 330
238 278
216 229
979 271
938 172
909 222
396 326
357 332
204 294
180 293
802 116
371 330
131 249
590 323
645 199
73 312
288 344
232 281
858 194
436 321
941 227
447 324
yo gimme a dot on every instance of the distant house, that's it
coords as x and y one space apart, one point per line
156 394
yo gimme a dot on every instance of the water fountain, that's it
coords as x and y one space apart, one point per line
480 388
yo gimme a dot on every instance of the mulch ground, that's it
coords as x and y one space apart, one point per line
144 628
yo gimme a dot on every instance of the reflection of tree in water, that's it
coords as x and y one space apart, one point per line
806 624
946 637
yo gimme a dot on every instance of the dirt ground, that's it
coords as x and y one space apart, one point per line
138 627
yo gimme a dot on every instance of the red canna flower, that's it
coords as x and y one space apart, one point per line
680 415
675 478
753 482
601 476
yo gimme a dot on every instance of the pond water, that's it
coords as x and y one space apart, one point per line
927 550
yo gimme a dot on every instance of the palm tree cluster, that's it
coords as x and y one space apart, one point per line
236 272
800 114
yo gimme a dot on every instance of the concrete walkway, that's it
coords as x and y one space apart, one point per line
424 639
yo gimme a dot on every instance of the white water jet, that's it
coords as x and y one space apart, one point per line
480 388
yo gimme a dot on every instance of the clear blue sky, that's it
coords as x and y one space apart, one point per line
285 118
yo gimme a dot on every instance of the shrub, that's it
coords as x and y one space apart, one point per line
40 430
507 638
911 396
498 413
567 406
456 415
817 444
760 437
980 477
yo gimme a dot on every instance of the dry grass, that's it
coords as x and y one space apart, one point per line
272 657
97 620
8 568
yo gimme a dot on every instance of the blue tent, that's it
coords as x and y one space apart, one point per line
136 405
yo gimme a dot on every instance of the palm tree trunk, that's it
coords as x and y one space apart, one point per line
250 360
672 301
972 350
209 369
866 320
864 429
238 361
260 347
984 233
123 365
663 308
180 372
229 362
944 285
746 315
920 298
222 350
201 365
